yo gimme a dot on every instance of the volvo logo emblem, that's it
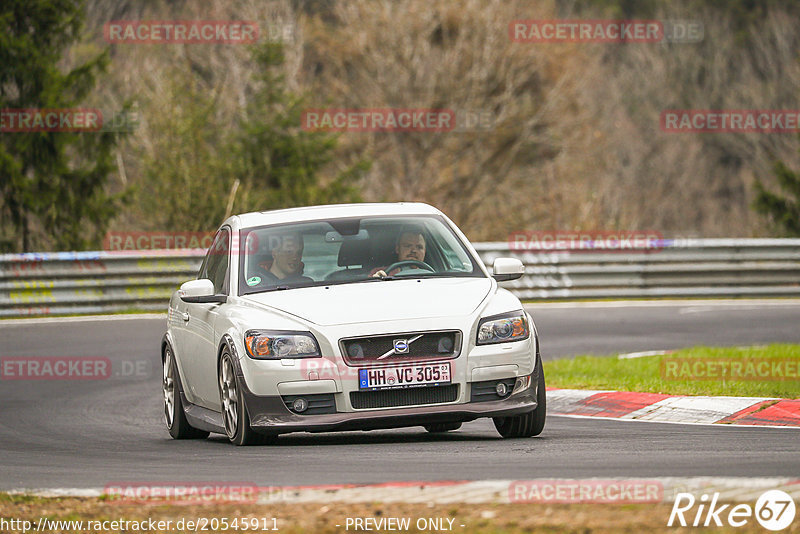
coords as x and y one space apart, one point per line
401 346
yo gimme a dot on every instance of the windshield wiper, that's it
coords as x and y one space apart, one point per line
395 277
379 278
279 288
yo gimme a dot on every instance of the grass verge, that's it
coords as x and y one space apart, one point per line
330 518
768 371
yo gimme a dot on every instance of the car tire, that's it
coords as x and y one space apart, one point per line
439 428
528 424
234 409
175 419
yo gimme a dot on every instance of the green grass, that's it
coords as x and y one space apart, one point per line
649 374
19 498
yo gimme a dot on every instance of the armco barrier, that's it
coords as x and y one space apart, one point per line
675 268
98 282
92 282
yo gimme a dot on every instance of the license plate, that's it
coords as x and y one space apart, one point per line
406 376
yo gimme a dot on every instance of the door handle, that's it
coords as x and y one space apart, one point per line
185 316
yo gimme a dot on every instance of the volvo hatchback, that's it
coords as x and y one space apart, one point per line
345 317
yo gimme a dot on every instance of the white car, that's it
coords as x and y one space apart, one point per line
346 317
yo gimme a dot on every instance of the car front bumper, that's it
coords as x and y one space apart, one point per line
267 385
269 414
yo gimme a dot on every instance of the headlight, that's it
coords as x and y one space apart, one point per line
502 328
266 344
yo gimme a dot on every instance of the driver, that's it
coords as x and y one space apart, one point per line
410 246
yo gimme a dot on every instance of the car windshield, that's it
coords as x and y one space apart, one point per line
340 251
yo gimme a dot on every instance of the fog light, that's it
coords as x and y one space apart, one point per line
300 405
501 389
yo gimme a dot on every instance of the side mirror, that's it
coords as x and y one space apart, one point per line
505 269
199 291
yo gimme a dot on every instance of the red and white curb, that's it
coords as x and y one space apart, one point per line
631 406
590 490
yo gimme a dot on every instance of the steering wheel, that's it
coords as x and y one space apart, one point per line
404 263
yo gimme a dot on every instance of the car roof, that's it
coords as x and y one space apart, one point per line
334 211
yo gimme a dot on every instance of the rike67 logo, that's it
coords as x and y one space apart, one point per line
774 510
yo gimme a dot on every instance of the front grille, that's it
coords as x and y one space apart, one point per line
444 344
391 398
487 391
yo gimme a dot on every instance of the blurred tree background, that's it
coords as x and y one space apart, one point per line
53 184
783 211
575 141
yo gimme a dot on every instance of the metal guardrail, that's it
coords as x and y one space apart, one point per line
693 268
92 282
101 282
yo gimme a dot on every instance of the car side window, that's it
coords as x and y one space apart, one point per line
216 264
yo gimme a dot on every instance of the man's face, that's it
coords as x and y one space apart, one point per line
411 247
288 256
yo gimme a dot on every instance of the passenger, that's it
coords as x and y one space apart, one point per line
286 262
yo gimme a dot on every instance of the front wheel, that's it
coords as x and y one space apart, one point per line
234 410
528 424
178 426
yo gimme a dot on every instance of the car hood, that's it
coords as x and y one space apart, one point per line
390 300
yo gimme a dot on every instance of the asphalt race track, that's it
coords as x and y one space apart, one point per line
82 434
617 327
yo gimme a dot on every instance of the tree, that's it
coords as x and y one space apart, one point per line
281 162
187 169
201 160
784 211
52 183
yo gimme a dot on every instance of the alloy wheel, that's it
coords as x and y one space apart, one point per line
230 397
168 386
